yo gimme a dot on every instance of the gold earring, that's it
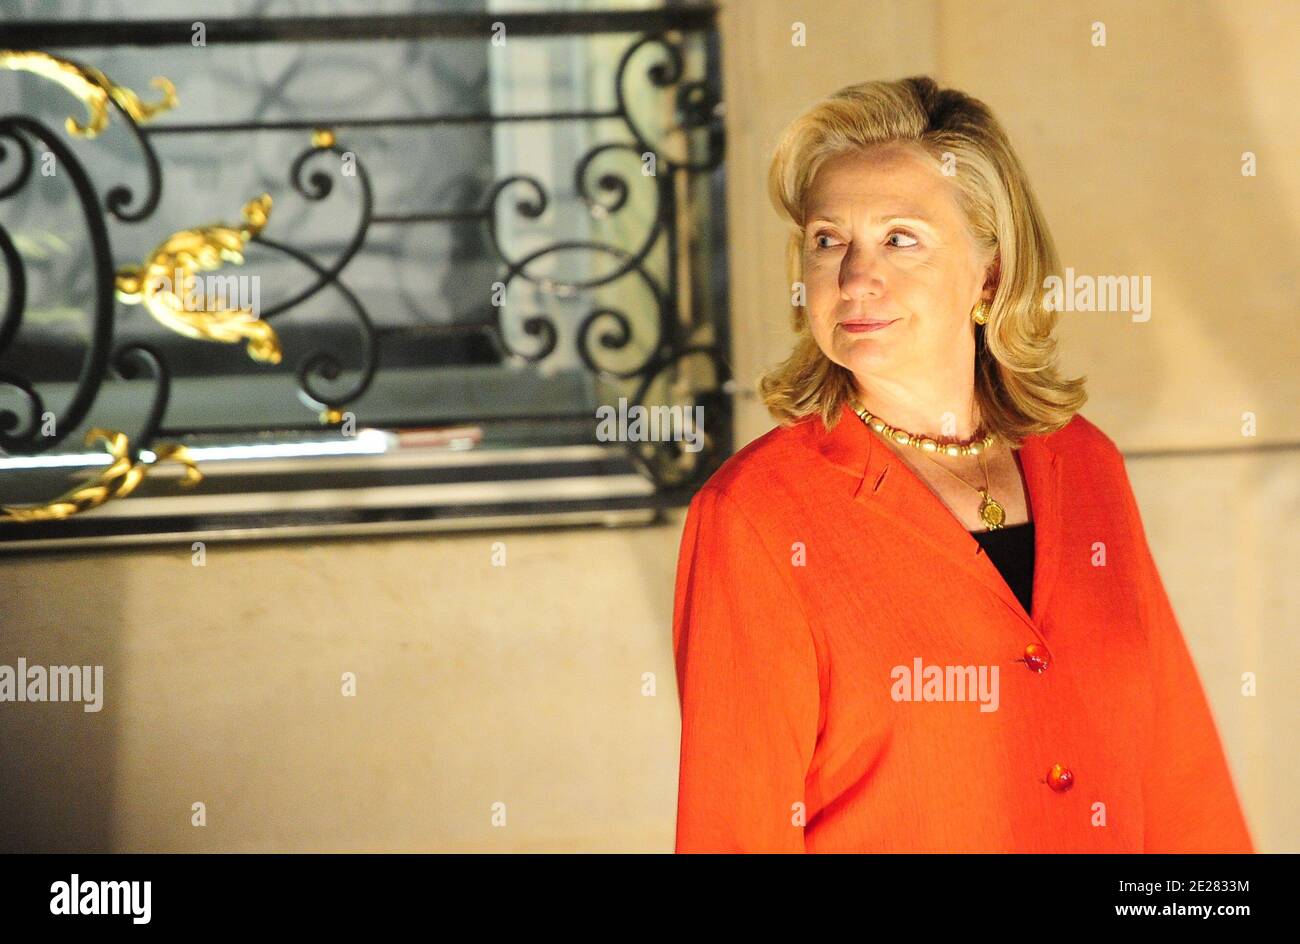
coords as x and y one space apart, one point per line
980 315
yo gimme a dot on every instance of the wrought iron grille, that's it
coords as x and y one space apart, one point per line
436 290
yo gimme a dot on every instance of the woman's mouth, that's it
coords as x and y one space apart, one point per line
861 327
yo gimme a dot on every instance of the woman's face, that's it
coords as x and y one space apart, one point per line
886 241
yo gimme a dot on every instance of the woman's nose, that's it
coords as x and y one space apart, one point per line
860 274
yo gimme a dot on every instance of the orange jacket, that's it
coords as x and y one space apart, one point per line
818 574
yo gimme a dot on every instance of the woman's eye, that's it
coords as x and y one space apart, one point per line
817 240
911 240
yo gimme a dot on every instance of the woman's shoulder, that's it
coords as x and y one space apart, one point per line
1092 460
1080 436
751 474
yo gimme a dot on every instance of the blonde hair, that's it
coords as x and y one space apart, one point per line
1017 388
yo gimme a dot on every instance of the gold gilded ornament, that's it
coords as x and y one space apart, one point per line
167 279
92 88
118 480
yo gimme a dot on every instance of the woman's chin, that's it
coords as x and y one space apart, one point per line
864 355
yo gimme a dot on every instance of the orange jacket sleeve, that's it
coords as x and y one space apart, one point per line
1188 794
747 678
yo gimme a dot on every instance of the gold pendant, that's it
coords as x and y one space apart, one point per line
992 513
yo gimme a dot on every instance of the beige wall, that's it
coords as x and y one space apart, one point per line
475 685
526 684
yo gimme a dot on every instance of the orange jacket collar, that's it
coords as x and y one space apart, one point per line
878 479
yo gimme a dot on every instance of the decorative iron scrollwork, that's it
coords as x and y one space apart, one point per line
17 130
646 346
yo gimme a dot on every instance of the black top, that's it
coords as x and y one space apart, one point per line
1012 551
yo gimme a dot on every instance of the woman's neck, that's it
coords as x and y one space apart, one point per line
947 412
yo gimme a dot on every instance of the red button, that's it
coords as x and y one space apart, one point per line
1060 778
1036 658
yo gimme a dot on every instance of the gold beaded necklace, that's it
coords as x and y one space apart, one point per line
991 512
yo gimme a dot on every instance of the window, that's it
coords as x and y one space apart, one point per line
372 270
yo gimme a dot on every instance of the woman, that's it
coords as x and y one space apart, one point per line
921 614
